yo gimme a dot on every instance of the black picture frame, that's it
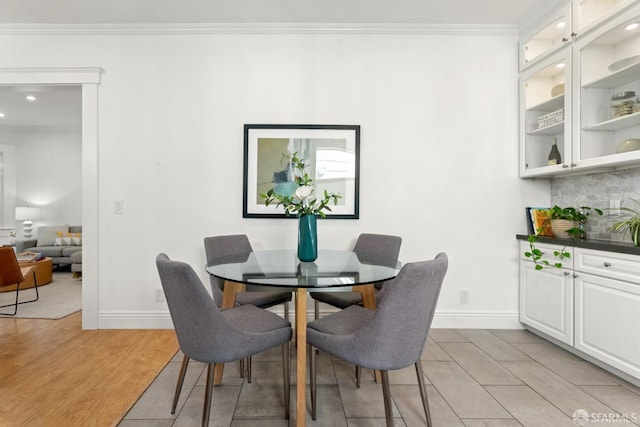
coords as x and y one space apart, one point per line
331 151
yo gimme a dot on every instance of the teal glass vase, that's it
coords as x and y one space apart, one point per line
307 238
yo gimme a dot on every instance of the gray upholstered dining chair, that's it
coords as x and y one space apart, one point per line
388 338
210 335
377 245
238 245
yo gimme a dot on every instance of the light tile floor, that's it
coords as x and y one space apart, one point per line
492 378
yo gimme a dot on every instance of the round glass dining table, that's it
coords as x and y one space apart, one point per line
332 270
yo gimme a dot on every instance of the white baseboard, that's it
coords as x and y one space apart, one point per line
476 320
135 320
444 319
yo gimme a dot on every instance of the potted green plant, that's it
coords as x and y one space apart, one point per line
628 220
566 222
570 222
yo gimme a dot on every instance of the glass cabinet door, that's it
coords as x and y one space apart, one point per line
607 119
547 102
588 13
541 42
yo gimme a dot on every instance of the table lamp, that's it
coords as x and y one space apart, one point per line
27 214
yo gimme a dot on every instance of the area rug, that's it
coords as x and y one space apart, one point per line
60 298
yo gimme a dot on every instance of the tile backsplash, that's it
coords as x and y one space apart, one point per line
596 190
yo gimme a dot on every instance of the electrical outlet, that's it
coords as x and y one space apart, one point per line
159 295
464 296
614 207
118 207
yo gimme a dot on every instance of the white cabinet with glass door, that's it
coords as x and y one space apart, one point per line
606 121
588 14
547 104
543 40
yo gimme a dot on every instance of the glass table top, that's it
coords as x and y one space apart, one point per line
281 268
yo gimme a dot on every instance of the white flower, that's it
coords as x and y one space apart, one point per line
303 192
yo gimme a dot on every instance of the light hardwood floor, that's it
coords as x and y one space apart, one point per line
52 373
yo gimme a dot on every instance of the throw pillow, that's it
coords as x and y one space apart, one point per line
68 241
47 234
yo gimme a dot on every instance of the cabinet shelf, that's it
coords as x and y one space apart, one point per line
552 104
617 123
554 129
619 78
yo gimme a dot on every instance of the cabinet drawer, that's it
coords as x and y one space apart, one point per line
608 264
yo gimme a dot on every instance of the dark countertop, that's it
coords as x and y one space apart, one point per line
599 245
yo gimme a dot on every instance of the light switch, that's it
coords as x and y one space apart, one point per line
118 206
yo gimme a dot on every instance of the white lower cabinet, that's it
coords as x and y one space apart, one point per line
546 301
607 321
592 305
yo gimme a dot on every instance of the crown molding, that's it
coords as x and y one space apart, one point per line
256 28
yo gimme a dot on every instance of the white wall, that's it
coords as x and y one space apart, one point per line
48 173
439 158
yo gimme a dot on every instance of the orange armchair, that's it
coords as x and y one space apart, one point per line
12 275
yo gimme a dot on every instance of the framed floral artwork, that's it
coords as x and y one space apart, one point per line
331 158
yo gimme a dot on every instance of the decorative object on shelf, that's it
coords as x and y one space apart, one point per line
622 104
628 220
577 218
618 65
331 152
630 144
557 90
551 118
307 238
27 214
304 204
554 155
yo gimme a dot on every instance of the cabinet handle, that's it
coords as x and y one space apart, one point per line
573 165
564 166
574 34
575 276
566 273
607 264
564 39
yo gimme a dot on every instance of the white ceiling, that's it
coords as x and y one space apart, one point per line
61 105
271 11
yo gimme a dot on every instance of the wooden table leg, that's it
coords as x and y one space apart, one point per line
369 301
301 357
228 301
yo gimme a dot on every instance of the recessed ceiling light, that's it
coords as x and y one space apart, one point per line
560 65
30 98
632 26
561 24
1 115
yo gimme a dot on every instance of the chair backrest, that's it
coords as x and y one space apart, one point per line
10 273
380 245
395 336
203 332
228 246
380 248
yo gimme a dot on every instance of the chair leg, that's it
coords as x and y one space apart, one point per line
316 309
206 411
241 361
286 373
386 393
423 392
248 363
286 310
181 375
358 374
15 306
312 380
